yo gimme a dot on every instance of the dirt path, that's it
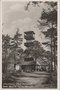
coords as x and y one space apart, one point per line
31 80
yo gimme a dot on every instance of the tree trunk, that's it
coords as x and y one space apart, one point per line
51 68
14 62
54 54
35 63
6 62
51 54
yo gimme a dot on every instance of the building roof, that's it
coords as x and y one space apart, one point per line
29 32
42 62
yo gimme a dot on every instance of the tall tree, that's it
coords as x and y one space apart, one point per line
16 46
5 53
50 17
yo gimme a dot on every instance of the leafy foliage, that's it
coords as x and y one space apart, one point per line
11 48
50 17
35 51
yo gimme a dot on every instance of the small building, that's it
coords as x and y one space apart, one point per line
42 64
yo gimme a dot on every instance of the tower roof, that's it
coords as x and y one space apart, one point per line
29 32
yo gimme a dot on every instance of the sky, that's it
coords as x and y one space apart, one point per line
15 16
